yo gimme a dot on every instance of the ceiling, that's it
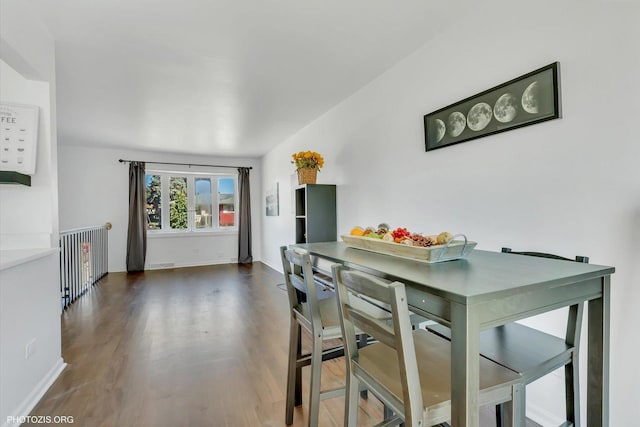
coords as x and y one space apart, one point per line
220 77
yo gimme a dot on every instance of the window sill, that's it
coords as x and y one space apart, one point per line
172 234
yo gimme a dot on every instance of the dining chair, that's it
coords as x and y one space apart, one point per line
318 314
408 369
533 353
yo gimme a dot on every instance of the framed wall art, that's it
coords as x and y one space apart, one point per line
18 138
526 100
273 201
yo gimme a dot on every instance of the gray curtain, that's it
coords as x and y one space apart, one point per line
137 231
244 218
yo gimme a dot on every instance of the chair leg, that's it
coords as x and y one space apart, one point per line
362 342
294 382
499 415
314 383
351 401
572 391
387 412
513 412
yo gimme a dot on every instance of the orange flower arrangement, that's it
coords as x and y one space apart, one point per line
307 159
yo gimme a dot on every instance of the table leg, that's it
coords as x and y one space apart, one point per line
465 336
598 359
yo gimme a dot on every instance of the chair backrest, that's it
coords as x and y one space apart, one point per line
574 321
396 334
298 277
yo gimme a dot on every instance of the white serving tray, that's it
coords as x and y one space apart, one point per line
454 249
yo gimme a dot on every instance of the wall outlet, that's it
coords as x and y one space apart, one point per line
30 348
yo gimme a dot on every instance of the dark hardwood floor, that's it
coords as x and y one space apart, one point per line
203 346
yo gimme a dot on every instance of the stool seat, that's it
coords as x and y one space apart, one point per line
408 370
519 348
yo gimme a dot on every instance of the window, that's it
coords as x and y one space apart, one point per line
226 202
154 208
179 202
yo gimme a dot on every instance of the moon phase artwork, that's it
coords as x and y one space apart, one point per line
526 100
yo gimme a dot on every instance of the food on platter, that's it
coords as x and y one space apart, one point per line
402 236
374 235
388 236
399 233
384 226
357 231
406 241
444 237
401 242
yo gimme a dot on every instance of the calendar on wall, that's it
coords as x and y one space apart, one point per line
18 138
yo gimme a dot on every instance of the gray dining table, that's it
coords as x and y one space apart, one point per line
488 289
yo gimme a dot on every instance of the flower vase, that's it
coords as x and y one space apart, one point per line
307 175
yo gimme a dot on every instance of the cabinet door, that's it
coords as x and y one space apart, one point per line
321 213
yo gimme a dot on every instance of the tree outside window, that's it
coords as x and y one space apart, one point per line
154 207
178 205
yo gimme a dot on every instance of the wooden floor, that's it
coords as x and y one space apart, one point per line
204 346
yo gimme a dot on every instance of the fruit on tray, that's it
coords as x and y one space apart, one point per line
399 233
402 236
357 231
374 235
388 236
444 237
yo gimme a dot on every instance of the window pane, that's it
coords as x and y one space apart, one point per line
226 202
154 206
203 218
178 203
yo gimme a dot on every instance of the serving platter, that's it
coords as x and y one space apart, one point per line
454 249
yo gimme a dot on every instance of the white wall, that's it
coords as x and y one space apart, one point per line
28 50
94 190
29 218
568 186
25 212
28 303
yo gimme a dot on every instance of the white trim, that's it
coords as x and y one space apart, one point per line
12 258
38 391
164 266
161 234
278 269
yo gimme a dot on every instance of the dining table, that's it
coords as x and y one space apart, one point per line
486 289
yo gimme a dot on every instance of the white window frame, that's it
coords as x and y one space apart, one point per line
191 230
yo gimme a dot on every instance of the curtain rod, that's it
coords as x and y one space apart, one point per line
186 164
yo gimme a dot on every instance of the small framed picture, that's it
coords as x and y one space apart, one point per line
272 201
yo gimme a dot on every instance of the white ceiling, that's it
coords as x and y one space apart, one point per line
221 77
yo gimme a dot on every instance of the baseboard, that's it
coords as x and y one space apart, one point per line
543 417
168 266
36 394
278 268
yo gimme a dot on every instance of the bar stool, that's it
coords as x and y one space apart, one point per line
319 316
533 353
409 370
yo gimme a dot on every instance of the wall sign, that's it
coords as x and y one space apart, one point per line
18 138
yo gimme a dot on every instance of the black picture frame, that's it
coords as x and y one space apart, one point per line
526 100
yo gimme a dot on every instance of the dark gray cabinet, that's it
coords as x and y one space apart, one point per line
316 213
